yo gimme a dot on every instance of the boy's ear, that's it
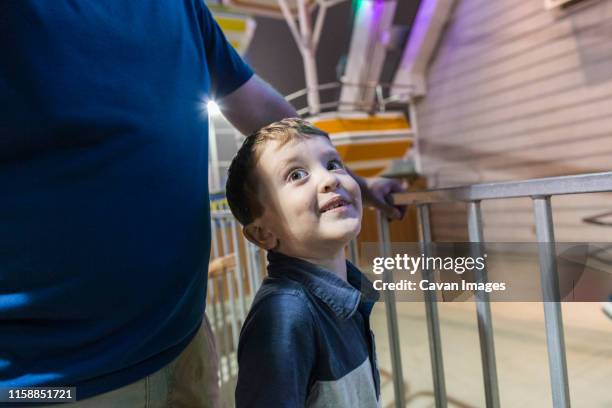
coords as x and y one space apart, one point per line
260 236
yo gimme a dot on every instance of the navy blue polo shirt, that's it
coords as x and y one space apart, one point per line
104 212
307 340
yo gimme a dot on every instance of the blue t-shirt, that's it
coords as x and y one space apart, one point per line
104 213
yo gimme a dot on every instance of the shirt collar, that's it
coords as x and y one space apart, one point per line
344 298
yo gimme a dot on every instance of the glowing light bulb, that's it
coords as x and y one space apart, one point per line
213 108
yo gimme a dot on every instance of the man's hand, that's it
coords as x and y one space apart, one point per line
376 192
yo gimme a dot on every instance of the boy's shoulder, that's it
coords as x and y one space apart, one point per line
274 286
281 296
280 311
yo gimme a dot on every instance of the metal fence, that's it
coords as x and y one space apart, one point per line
235 273
237 268
540 191
373 97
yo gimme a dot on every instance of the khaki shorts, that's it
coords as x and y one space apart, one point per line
190 381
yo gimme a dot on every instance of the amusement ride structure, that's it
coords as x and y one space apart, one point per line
368 121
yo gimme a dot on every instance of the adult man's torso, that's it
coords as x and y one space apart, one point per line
104 224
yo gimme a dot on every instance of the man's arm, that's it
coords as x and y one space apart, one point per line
256 104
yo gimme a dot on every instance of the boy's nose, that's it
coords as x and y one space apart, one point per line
330 182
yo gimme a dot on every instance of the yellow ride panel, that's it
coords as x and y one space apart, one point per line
368 143
373 151
337 125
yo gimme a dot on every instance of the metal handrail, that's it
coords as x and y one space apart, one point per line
574 184
540 191
380 103
304 91
337 84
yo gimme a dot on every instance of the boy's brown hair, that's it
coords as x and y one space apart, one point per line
241 185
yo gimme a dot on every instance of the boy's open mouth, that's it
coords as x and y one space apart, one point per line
336 202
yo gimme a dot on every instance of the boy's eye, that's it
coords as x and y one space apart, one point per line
297 174
334 165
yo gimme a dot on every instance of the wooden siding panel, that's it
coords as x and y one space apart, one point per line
503 44
552 104
535 77
517 92
484 147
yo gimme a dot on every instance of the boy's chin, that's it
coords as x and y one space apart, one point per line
344 235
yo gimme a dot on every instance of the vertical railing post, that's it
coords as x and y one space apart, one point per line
379 98
230 284
225 349
212 296
211 285
483 309
431 313
391 313
238 270
551 299
215 243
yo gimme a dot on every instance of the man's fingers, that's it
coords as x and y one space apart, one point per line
389 210
396 212
401 209
396 186
381 197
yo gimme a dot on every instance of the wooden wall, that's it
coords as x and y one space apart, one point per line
516 91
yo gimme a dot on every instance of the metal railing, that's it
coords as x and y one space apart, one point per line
238 267
540 191
235 273
374 97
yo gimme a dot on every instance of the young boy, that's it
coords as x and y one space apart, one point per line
306 341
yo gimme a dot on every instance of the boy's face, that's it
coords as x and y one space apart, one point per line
312 205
